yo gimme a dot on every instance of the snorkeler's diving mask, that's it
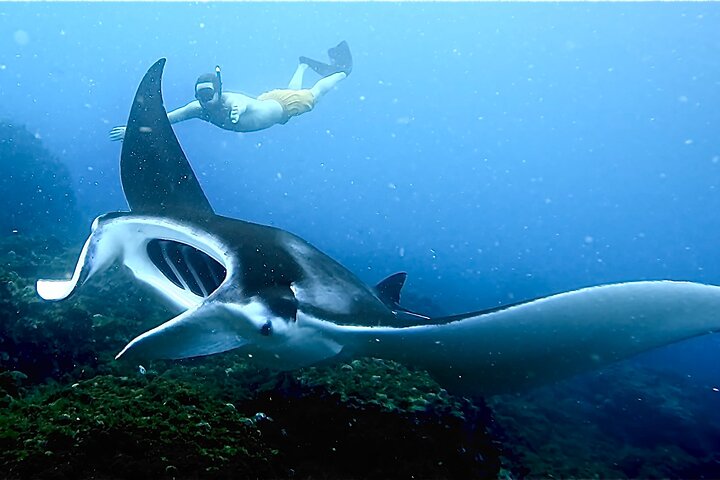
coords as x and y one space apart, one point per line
207 85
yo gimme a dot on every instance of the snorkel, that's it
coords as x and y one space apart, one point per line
219 80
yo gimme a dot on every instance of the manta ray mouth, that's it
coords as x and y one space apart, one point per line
185 266
179 260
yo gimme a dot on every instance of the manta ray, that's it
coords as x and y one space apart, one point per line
242 285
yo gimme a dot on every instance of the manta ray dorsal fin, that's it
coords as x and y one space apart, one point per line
156 176
388 289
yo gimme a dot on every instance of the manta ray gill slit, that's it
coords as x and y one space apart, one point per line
185 266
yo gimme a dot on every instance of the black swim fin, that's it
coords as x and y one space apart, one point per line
341 58
340 61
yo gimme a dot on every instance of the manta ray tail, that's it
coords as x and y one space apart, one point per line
547 339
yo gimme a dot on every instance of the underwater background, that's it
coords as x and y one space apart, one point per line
496 152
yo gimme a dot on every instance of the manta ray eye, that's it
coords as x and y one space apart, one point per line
266 329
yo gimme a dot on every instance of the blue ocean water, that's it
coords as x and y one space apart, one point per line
496 152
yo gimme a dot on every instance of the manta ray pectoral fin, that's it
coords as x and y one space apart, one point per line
156 176
203 330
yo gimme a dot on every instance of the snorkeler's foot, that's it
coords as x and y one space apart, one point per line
322 69
340 61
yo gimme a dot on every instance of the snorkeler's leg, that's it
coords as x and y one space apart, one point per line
326 84
297 78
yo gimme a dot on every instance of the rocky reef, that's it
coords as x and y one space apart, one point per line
36 186
70 411
626 421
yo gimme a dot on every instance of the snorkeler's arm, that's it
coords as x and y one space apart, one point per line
191 110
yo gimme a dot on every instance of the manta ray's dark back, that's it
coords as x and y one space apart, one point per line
156 176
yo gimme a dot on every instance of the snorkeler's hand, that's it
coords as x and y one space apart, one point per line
235 113
117 133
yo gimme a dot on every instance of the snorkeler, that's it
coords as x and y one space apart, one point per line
242 113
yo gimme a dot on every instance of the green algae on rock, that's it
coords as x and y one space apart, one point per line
110 427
